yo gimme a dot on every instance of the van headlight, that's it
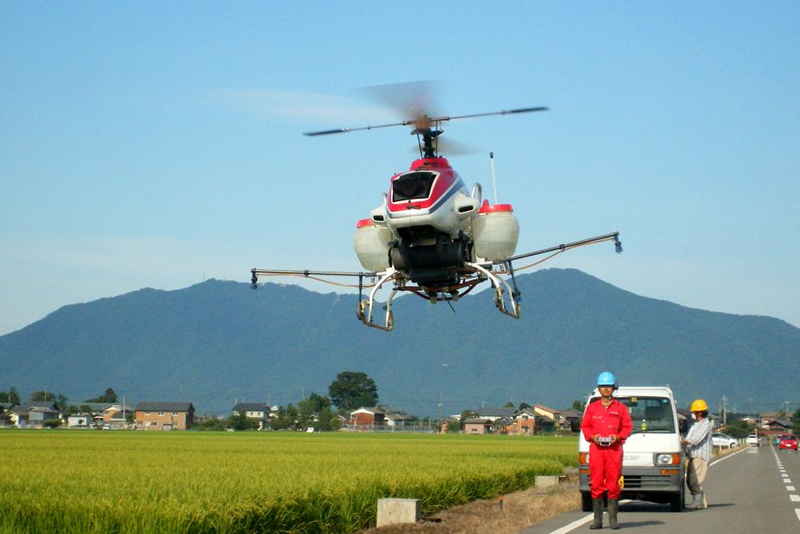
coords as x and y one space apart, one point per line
666 459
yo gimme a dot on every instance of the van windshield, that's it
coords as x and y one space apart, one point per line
650 414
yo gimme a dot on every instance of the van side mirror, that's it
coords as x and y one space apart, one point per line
683 426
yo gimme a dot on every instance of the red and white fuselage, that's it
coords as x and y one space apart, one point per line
425 225
431 194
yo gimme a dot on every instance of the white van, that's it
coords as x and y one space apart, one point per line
653 466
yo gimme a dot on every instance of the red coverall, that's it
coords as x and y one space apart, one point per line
605 463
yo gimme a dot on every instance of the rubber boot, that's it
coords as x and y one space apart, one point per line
703 501
697 501
613 508
597 508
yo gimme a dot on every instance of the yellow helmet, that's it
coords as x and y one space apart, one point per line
699 406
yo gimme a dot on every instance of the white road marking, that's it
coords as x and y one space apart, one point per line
727 456
572 526
792 497
580 522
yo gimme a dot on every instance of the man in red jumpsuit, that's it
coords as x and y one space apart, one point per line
606 425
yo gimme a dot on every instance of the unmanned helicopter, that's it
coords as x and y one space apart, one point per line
434 237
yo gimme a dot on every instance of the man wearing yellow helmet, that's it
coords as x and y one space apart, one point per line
698 451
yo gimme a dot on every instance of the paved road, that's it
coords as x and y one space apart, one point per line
753 490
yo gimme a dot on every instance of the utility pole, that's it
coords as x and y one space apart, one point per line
724 410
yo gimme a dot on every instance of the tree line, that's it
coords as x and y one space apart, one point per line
351 390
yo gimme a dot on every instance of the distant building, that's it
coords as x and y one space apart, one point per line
378 418
477 425
524 423
164 416
35 414
79 421
115 415
777 426
492 414
367 418
549 413
258 411
397 419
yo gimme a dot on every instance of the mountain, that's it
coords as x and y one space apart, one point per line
218 342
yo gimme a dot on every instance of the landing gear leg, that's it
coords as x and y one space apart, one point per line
366 306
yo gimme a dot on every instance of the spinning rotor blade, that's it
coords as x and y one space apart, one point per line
409 99
415 100
429 120
344 130
503 112
448 147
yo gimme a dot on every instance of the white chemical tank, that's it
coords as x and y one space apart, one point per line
495 232
372 245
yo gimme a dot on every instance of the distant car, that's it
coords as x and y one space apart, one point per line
788 442
723 440
752 439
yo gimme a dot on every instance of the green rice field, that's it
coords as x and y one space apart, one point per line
196 482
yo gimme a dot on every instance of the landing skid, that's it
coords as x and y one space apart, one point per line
507 296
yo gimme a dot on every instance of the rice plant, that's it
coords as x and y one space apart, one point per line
193 482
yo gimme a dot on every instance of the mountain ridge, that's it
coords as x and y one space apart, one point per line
218 341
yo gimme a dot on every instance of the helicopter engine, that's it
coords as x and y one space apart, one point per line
428 212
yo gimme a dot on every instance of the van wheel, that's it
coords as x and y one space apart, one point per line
586 502
677 499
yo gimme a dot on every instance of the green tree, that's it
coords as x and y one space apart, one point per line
577 405
313 406
47 396
240 421
352 390
320 401
523 406
109 397
210 423
328 420
286 418
305 413
796 421
739 429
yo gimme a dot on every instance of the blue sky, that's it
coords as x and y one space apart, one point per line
154 144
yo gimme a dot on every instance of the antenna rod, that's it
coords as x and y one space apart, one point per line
494 185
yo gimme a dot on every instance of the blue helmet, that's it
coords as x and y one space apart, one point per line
607 379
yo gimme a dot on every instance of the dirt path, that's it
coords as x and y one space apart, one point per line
517 511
